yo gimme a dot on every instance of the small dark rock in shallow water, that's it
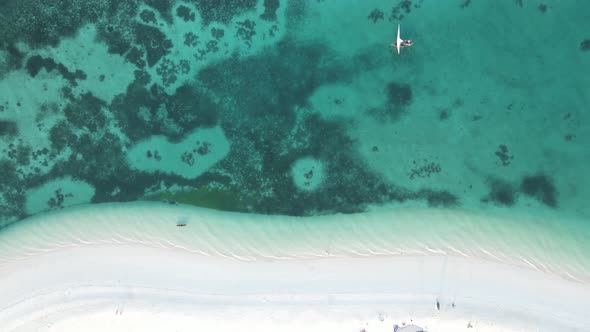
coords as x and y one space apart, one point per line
376 15
585 45
188 158
465 4
542 8
204 148
502 153
157 156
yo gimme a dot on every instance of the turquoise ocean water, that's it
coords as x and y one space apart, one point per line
299 108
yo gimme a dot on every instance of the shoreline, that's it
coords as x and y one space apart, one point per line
60 271
548 245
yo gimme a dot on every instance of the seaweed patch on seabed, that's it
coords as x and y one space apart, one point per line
246 31
270 10
41 23
423 169
12 193
148 16
436 198
398 98
8 128
501 193
96 153
154 41
403 8
222 10
541 188
58 199
11 58
504 156
169 70
376 15
185 13
37 62
542 8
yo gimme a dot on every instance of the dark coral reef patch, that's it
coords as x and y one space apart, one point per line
501 193
398 97
541 188
270 10
37 62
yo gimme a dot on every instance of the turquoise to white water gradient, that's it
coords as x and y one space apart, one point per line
302 108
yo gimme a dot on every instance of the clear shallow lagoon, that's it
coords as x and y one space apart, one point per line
446 184
297 107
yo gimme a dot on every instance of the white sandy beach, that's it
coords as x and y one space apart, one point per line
128 267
